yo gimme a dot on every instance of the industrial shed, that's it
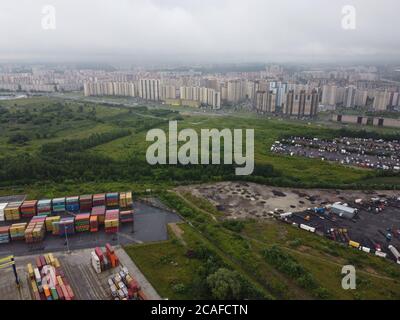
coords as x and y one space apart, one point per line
344 211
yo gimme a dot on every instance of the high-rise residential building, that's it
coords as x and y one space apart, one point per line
265 101
350 97
395 99
235 92
361 97
168 92
381 100
150 89
329 95
203 95
124 89
301 104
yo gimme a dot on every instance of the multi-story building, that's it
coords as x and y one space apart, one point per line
381 100
150 89
350 97
265 101
301 104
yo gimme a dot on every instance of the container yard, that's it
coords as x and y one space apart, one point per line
65 231
48 280
61 276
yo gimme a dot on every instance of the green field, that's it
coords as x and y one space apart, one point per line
112 138
51 147
240 247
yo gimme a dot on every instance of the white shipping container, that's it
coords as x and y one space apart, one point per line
95 262
394 251
307 228
2 207
380 254
365 249
286 215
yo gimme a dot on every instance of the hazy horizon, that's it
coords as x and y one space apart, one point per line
182 31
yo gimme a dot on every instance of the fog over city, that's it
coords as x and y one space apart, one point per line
199 30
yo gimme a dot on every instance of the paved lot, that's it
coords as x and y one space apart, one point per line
367 153
16 198
150 226
85 282
367 228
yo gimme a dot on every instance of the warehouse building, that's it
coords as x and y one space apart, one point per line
343 211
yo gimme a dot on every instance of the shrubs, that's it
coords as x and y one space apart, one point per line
289 266
233 225
18 138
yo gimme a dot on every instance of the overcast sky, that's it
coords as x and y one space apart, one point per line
164 30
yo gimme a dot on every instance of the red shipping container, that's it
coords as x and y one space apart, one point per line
38 263
109 248
60 292
65 292
42 261
99 253
134 286
70 292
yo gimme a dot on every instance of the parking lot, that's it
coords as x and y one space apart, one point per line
369 228
366 153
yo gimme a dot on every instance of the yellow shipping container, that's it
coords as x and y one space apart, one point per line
30 270
34 286
354 244
49 222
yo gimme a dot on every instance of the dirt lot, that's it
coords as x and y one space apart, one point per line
250 200
86 284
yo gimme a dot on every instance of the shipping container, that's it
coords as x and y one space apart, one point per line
12 211
72 204
82 222
2 215
5 234
44 208
85 203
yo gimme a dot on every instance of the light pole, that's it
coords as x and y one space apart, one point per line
66 237
133 221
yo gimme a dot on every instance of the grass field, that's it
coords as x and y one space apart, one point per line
81 164
49 120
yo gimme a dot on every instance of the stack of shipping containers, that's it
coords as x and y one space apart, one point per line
4 234
58 205
11 212
99 212
2 207
111 221
82 222
99 200
112 200
28 209
72 204
35 231
47 279
66 226
85 203
44 208
17 231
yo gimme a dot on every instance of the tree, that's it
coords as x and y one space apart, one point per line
18 138
225 285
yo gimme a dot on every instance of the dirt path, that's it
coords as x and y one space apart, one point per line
289 249
178 232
